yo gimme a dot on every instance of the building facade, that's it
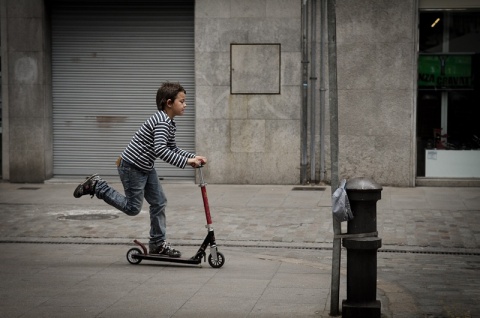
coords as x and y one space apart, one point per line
79 77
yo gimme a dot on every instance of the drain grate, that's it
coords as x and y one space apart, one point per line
88 217
28 188
308 189
242 245
466 253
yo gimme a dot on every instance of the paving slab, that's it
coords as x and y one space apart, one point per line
65 257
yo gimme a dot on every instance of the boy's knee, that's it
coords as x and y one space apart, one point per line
133 210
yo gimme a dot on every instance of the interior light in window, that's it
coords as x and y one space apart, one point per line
436 21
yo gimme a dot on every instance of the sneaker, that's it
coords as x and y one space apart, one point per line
163 248
87 187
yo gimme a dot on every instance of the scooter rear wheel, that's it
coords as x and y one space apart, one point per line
131 259
218 262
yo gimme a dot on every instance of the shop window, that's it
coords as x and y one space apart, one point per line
448 133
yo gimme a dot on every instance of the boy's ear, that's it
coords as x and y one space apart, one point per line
169 101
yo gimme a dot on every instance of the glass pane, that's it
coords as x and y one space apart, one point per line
464 32
429 112
463 114
431 31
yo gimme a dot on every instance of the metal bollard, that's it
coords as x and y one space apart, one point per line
362 243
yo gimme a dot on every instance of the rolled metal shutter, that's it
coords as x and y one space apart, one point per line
108 60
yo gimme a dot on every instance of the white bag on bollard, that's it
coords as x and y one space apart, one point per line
340 204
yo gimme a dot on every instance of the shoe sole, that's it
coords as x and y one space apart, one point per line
80 186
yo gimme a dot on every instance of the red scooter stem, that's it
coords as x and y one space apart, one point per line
205 198
205 204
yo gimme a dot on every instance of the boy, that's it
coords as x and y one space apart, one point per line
154 139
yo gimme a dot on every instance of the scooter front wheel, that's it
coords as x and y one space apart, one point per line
216 263
130 258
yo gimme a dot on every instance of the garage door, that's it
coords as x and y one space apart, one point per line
108 60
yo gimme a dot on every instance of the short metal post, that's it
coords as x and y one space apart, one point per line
362 250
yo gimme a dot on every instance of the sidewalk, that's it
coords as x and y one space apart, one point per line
277 243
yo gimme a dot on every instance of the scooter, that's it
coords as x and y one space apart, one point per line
216 259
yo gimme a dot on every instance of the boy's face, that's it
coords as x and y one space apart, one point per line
177 107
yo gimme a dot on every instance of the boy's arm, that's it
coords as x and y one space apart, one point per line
166 148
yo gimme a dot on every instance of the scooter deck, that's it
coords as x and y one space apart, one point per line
160 258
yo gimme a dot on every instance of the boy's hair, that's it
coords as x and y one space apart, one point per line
168 91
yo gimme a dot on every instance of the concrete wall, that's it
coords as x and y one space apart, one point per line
249 139
26 88
376 47
256 138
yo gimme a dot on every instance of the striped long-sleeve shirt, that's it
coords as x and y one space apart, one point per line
156 139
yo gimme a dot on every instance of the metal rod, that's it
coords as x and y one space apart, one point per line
313 79
304 123
333 105
322 88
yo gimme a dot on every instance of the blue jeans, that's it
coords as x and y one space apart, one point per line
138 184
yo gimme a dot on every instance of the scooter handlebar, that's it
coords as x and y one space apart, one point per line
202 163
